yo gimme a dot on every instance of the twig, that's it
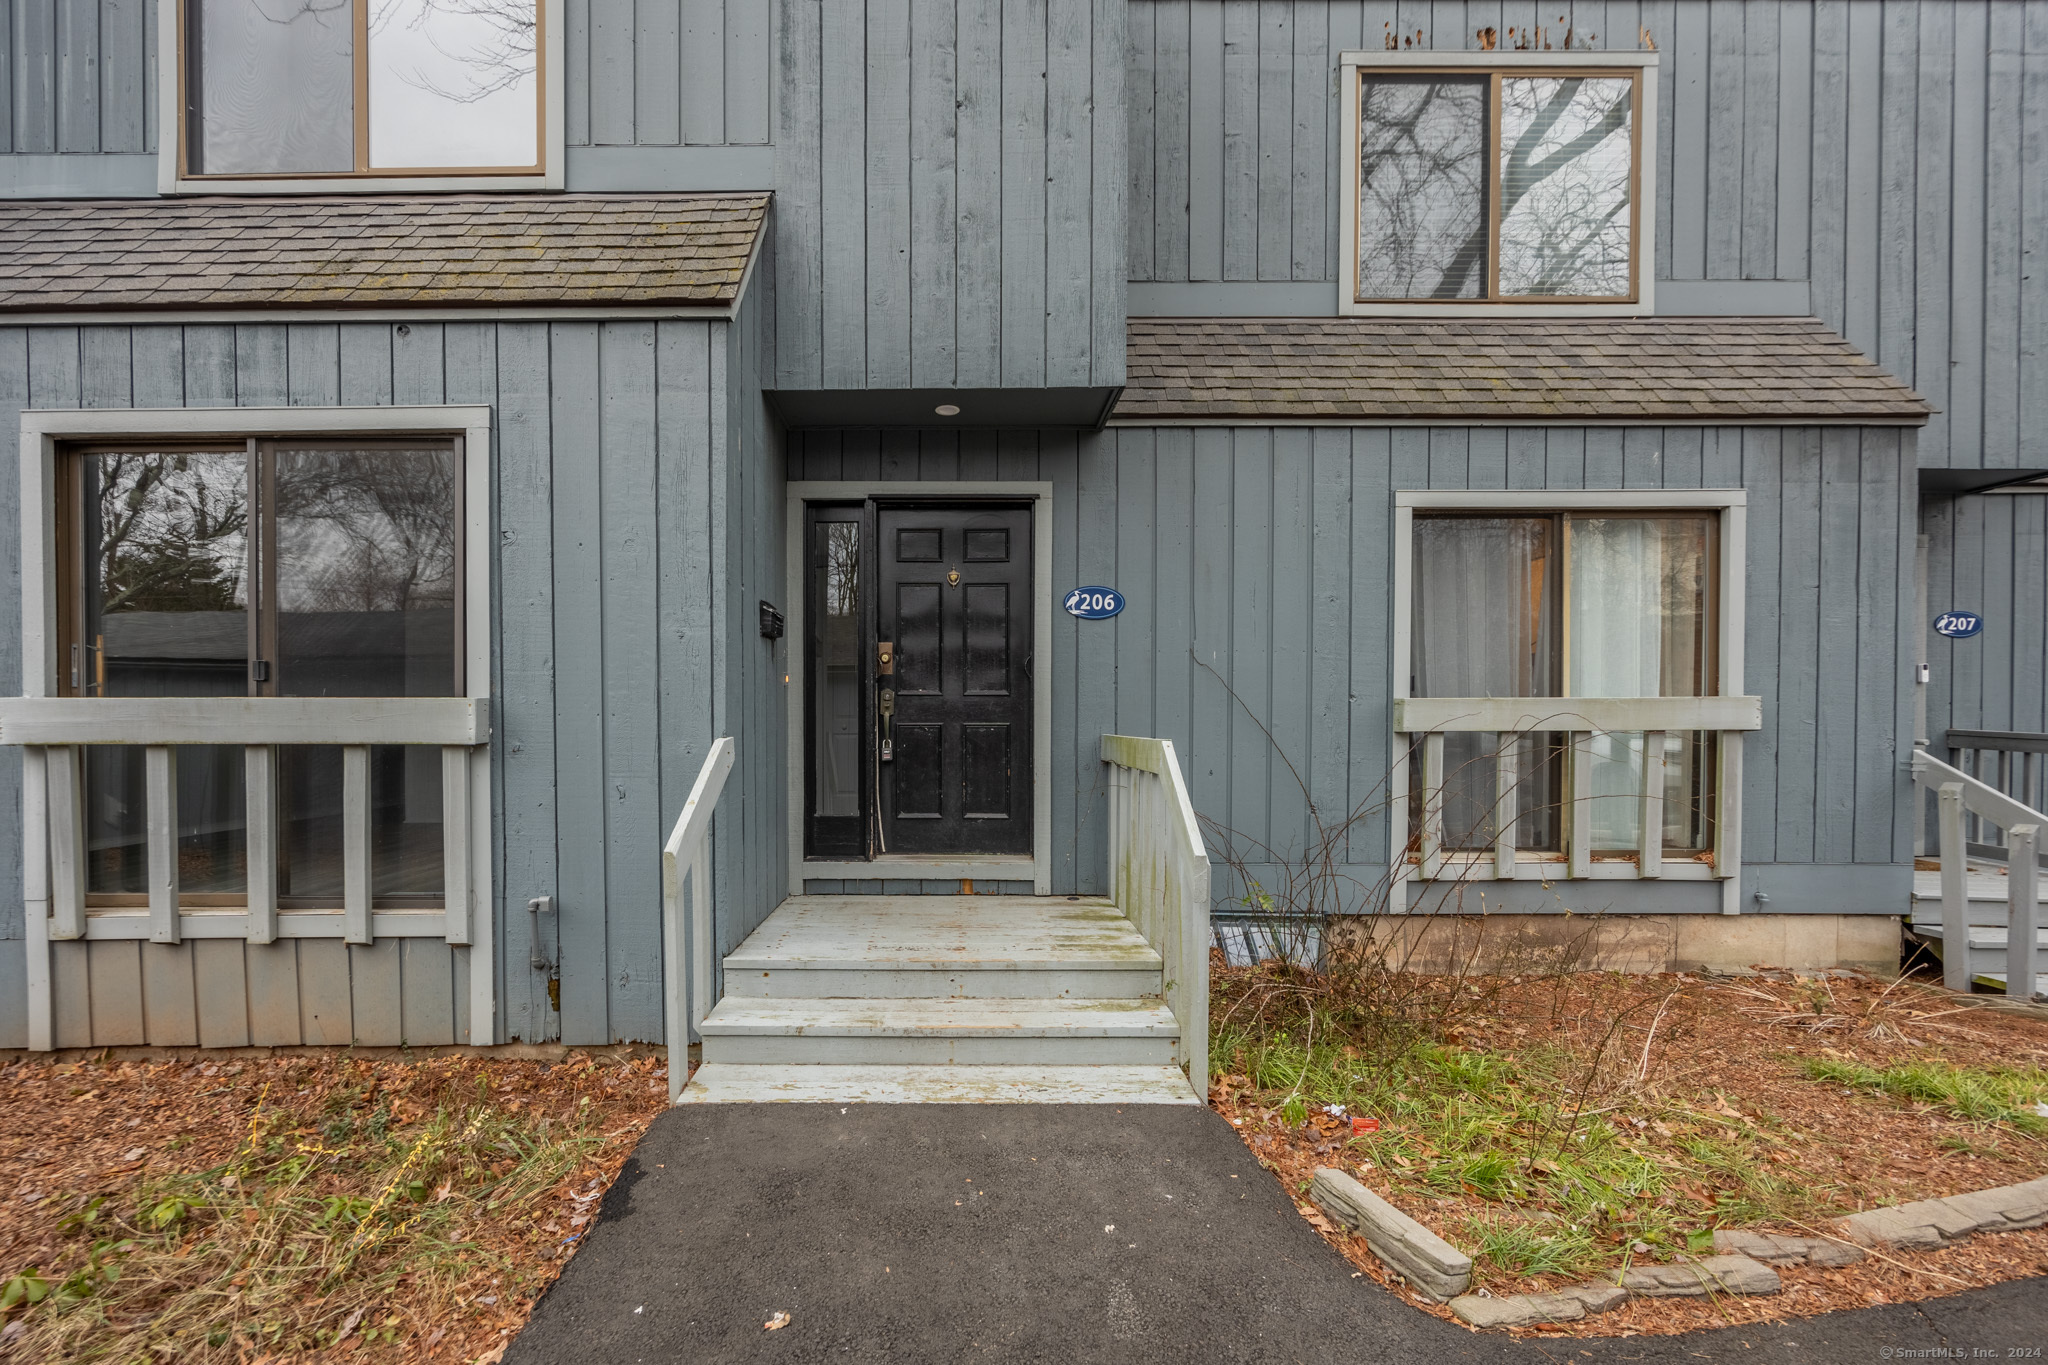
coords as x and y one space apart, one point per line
1643 1068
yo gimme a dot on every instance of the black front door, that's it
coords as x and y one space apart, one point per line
917 673
954 601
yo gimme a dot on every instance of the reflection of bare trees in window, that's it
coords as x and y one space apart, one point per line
1563 182
842 568
365 530
497 52
171 532
1422 213
1565 186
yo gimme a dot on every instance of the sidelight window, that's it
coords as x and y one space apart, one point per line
1519 184
340 88
263 569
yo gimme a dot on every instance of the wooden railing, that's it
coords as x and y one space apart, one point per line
1964 798
55 732
1159 878
686 939
2008 761
1422 723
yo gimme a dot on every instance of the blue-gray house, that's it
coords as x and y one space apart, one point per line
1089 457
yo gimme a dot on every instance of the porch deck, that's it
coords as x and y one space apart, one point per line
942 999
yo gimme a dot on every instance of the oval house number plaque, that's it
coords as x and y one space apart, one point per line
1958 625
1094 604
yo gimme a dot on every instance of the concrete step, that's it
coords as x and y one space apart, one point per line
906 982
1995 981
741 1083
1092 1032
946 947
1982 936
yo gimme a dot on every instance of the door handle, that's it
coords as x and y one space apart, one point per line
885 711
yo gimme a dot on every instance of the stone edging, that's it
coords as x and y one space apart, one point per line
1933 1222
1741 1263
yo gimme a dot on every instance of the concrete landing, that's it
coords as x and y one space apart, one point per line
1053 1233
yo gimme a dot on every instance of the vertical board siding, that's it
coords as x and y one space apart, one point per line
1987 553
951 179
603 492
1258 575
1887 154
665 73
81 75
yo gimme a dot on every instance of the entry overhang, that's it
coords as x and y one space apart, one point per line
1087 408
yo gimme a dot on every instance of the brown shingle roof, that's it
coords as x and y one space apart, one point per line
1550 369
380 251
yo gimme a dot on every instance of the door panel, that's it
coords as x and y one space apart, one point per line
955 599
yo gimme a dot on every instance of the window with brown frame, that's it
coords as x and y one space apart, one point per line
297 88
1513 185
1597 604
299 568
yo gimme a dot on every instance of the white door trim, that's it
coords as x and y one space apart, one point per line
994 868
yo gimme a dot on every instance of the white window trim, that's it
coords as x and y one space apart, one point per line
1645 246
47 719
1037 868
1730 708
170 123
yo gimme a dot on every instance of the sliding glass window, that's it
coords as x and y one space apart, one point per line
267 569
1566 605
1502 186
362 87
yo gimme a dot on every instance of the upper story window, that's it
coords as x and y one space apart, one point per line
362 89
1497 181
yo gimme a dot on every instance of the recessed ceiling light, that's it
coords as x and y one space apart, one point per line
947 409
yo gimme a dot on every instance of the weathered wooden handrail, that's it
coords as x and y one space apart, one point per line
2009 761
172 721
686 972
1960 794
1159 878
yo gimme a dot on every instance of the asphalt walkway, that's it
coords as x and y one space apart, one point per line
948 1233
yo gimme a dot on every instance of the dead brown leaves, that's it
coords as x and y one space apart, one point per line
73 1131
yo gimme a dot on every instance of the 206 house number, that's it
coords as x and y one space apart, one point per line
1094 603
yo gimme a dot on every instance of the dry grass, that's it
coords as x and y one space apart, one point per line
299 1208
1560 1127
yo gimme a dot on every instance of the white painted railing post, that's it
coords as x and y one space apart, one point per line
686 930
67 841
160 800
259 787
355 844
1955 891
2023 910
456 893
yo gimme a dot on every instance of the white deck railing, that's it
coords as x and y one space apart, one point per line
686 971
1422 722
1962 796
54 733
1159 878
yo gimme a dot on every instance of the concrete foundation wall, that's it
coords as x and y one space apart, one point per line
1636 943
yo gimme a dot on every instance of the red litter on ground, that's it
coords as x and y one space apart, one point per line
1359 1125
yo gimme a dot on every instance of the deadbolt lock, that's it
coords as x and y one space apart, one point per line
885 658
